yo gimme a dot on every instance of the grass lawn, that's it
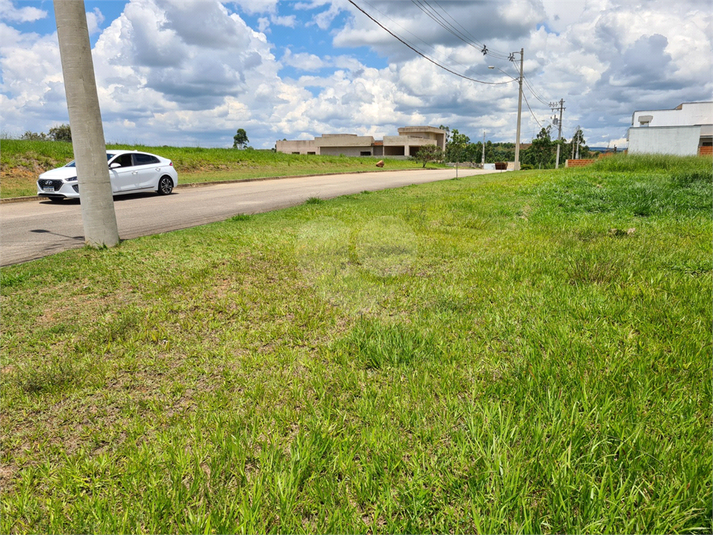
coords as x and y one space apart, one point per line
21 162
521 352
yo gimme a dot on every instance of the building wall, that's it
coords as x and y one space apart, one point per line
300 146
687 114
678 140
436 135
582 162
344 140
346 151
407 143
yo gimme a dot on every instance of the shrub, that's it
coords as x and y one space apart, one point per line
61 133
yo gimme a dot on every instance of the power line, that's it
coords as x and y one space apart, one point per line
466 37
538 97
374 8
432 13
531 112
406 43
534 93
494 53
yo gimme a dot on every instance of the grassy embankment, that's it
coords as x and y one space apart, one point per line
22 161
522 352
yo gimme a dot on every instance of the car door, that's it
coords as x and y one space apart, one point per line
122 173
148 170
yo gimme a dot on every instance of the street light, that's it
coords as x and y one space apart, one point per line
519 106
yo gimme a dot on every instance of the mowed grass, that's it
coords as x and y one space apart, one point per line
512 353
22 161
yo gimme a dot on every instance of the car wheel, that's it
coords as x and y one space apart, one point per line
165 185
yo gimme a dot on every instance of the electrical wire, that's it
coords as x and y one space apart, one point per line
433 14
464 36
494 53
374 8
534 93
531 112
409 45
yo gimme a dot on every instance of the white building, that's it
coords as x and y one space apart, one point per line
407 143
686 130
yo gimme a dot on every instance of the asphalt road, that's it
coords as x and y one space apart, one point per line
34 229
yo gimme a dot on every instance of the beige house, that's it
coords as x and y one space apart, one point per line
407 143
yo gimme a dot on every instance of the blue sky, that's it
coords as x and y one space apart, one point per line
190 72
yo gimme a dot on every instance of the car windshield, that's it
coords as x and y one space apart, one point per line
109 156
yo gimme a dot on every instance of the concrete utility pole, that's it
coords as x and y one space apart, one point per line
483 148
561 108
519 114
98 216
516 167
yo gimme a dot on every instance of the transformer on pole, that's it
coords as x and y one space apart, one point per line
558 106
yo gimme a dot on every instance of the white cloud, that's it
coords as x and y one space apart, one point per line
324 19
255 7
10 13
31 80
303 61
94 21
289 21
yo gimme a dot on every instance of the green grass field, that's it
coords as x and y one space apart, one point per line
513 353
22 161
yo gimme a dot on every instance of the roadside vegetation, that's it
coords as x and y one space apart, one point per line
511 353
22 161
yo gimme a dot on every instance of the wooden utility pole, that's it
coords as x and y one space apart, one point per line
98 216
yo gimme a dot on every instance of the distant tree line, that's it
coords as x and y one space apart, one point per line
57 133
541 154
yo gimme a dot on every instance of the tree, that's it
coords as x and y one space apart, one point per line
473 152
429 153
578 145
98 216
455 148
34 136
541 149
61 133
240 139
447 129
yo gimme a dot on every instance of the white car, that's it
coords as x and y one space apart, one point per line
130 171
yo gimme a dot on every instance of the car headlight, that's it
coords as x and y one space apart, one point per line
71 179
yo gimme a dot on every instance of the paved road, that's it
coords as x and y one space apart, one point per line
30 230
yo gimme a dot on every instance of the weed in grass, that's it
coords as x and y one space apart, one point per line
56 373
240 217
314 200
356 267
377 345
385 247
691 178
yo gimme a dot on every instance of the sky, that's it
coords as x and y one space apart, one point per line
191 72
